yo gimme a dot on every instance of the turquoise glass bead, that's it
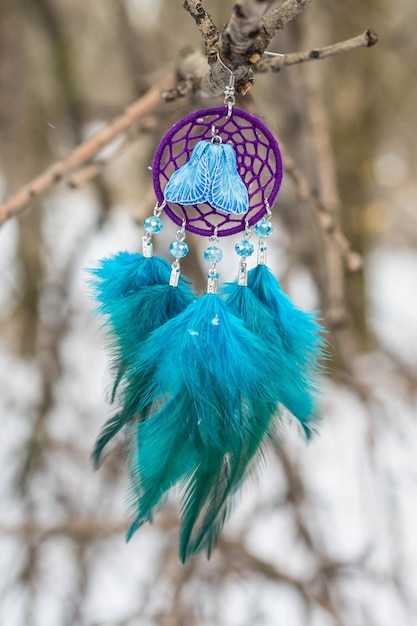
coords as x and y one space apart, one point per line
263 228
178 249
153 225
244 248
213 254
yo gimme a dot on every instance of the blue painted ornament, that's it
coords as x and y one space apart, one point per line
209 176
187 175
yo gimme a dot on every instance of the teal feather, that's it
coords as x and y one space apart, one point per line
292 338
124 273
136 317
200 384
297 339
206 389
134 304
159 455
211 496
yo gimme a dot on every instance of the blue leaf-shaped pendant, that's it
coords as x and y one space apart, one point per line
189 184
210 176
227 191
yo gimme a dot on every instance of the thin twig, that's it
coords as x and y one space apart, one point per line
84 175
88 528
80 156
279 17
365 40
235 550
246 59
77 529
330 228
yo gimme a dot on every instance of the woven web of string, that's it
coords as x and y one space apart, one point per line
258 159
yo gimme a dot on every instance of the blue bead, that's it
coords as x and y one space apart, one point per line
263 228
178 249
244 248
153 225
213 254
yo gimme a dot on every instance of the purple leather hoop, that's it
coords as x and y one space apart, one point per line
259 164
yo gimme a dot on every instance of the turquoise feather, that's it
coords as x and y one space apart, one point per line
134 304
294 344
201 383
285 382
125 273
297 339
211 496
209 408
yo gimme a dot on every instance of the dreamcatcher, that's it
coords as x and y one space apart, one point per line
200 381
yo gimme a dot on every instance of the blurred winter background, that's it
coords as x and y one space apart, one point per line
327 535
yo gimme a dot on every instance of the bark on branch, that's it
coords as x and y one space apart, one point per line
325 219
279 17
365 40
243 42
80 156
205 25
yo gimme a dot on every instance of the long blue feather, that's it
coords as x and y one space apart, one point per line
299 340
134 304
115 278
280 377
287 378
125 272
294 347
206 388
211 495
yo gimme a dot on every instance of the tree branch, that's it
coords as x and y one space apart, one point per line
244 25
278 18
88 172
325 219
241 45
243 42
365 40
77 529
311 590
208 30
80 156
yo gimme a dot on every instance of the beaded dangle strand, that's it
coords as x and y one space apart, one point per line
178 249
263 229
244 249
152 226
213 255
